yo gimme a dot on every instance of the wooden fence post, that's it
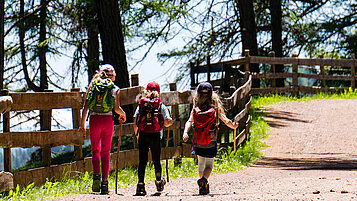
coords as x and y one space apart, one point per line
246 67
353 73
208 68
192 74
176 131
76 118
6 128
45 122
135 82
272 66
295 78
322 72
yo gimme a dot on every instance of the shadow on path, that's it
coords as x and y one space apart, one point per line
328 163
278 119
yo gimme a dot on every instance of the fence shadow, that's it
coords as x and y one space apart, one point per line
322 163
278 119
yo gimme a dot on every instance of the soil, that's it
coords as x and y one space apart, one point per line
311 155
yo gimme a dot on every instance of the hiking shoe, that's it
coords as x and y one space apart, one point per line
140 189
160 184
104 187
203 186
96 183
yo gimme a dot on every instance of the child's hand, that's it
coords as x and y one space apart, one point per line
235 125
122 118
185 137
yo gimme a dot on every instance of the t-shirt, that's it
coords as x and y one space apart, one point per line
114 93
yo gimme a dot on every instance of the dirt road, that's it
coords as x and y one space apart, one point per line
311 156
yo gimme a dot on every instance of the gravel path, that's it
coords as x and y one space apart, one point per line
311 155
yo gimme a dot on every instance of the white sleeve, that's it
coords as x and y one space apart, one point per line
165 112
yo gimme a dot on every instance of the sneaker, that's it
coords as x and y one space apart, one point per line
203 186
160 184
104 187
96 183
140 189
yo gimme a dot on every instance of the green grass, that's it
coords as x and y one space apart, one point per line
227 160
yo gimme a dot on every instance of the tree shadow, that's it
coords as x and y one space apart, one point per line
278 119
328 163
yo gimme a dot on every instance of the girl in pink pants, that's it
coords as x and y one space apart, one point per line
102 96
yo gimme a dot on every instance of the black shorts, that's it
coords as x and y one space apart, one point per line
206 152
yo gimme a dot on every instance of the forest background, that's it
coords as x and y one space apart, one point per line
59 44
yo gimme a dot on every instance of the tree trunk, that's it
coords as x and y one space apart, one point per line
30 84
112 39
93 41
113 49
43 46
2 51
249 33
277 41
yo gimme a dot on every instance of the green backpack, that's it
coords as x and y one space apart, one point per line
99 98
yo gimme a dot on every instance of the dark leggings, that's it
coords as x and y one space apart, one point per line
152 141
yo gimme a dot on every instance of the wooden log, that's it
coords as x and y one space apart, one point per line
280 90
5 104
176 131
322 72
6 128
303 61
41 138
244 111
353 73
134 83
76 118
272 69
6 181
271 75
46 100
295 78
238 94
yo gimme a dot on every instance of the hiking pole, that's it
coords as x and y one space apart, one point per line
117 159
167 159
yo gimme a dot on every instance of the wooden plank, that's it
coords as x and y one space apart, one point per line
41 138
6 128
325 77
177 97
131 95
6 181
315 90
303 61
46 100
258 91
243 112
238 94
76 118
271 75
5 104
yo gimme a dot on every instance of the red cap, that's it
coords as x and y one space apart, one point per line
153 86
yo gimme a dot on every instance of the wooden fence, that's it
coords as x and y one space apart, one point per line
325 70
45 102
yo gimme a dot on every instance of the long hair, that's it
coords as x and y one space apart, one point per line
151 94
100 74
208 101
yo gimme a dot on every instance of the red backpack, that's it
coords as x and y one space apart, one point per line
205 132
150 118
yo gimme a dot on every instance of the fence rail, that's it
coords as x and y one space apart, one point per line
45 138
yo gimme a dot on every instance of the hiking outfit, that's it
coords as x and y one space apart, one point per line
100 100
150 115
204 142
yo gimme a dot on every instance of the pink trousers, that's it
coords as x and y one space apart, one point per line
101 133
